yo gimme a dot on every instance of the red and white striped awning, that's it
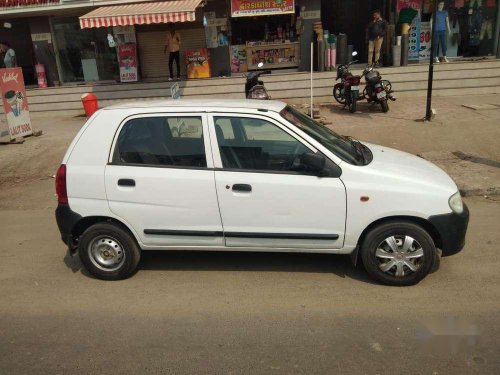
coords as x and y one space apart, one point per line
141 14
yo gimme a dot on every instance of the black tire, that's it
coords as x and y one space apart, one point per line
376 239
384 105
337 93
352 105
109 235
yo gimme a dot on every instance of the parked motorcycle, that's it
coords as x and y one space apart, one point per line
377 90
347 91
254 88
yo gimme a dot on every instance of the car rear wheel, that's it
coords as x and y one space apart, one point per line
398 253
108 251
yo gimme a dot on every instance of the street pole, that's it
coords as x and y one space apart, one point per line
428 112
311 108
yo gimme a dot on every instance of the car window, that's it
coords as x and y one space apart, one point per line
169 141
260 145
224 125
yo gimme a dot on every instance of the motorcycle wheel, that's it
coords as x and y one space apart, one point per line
337 93
352 105
384 105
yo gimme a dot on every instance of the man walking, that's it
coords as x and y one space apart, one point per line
173 44
375 34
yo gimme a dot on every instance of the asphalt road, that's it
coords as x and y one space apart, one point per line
242 313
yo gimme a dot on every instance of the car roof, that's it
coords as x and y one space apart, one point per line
204 104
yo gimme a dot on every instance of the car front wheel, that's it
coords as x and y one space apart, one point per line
108 251
398 253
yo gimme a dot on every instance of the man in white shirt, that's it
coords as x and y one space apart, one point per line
9 58
173 45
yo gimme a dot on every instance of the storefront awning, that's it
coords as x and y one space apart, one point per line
141 14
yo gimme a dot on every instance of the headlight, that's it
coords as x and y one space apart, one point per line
456 203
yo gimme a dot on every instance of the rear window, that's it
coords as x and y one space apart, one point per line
162 141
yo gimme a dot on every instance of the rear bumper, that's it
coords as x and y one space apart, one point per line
452 229
66 221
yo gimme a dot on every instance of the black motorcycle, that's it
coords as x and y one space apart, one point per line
377 90
254 88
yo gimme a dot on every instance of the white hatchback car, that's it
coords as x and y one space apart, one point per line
248 175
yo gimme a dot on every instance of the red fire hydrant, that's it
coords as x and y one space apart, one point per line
90 104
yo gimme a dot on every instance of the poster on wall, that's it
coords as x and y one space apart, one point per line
127 59
425 41
246 8
197 63
238 59
15 103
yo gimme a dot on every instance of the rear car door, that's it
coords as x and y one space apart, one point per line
265 197
160 180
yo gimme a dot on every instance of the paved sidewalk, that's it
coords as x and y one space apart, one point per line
463 141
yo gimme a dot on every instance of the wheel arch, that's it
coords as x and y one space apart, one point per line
425 224
86 222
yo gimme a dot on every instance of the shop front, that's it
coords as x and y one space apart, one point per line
264 31
84 55
137 33
466 27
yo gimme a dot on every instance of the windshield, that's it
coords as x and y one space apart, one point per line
345 148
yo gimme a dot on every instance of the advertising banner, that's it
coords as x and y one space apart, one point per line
425 41
15 103
414 40
127 58
245 8
197 63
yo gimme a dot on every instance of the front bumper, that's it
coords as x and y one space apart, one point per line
452 229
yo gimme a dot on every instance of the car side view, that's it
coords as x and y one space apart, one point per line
249 175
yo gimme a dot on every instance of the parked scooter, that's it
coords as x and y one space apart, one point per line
347 91
377 90
254 88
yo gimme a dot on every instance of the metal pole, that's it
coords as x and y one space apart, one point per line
311 107
428 111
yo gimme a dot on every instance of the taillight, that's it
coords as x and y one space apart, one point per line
62 194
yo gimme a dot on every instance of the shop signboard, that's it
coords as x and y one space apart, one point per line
425 41
415 4
127 58
246 8
197 63
15 103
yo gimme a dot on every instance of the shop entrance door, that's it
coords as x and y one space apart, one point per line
151 44
84 54
351 18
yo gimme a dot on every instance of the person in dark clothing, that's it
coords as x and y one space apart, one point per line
375 33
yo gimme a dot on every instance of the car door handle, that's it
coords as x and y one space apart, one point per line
126 182
242 187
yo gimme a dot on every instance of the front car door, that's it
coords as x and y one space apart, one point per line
160 180
265 198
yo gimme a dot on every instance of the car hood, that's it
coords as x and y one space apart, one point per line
394 164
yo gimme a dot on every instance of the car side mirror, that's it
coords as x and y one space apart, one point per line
318 164
314 162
